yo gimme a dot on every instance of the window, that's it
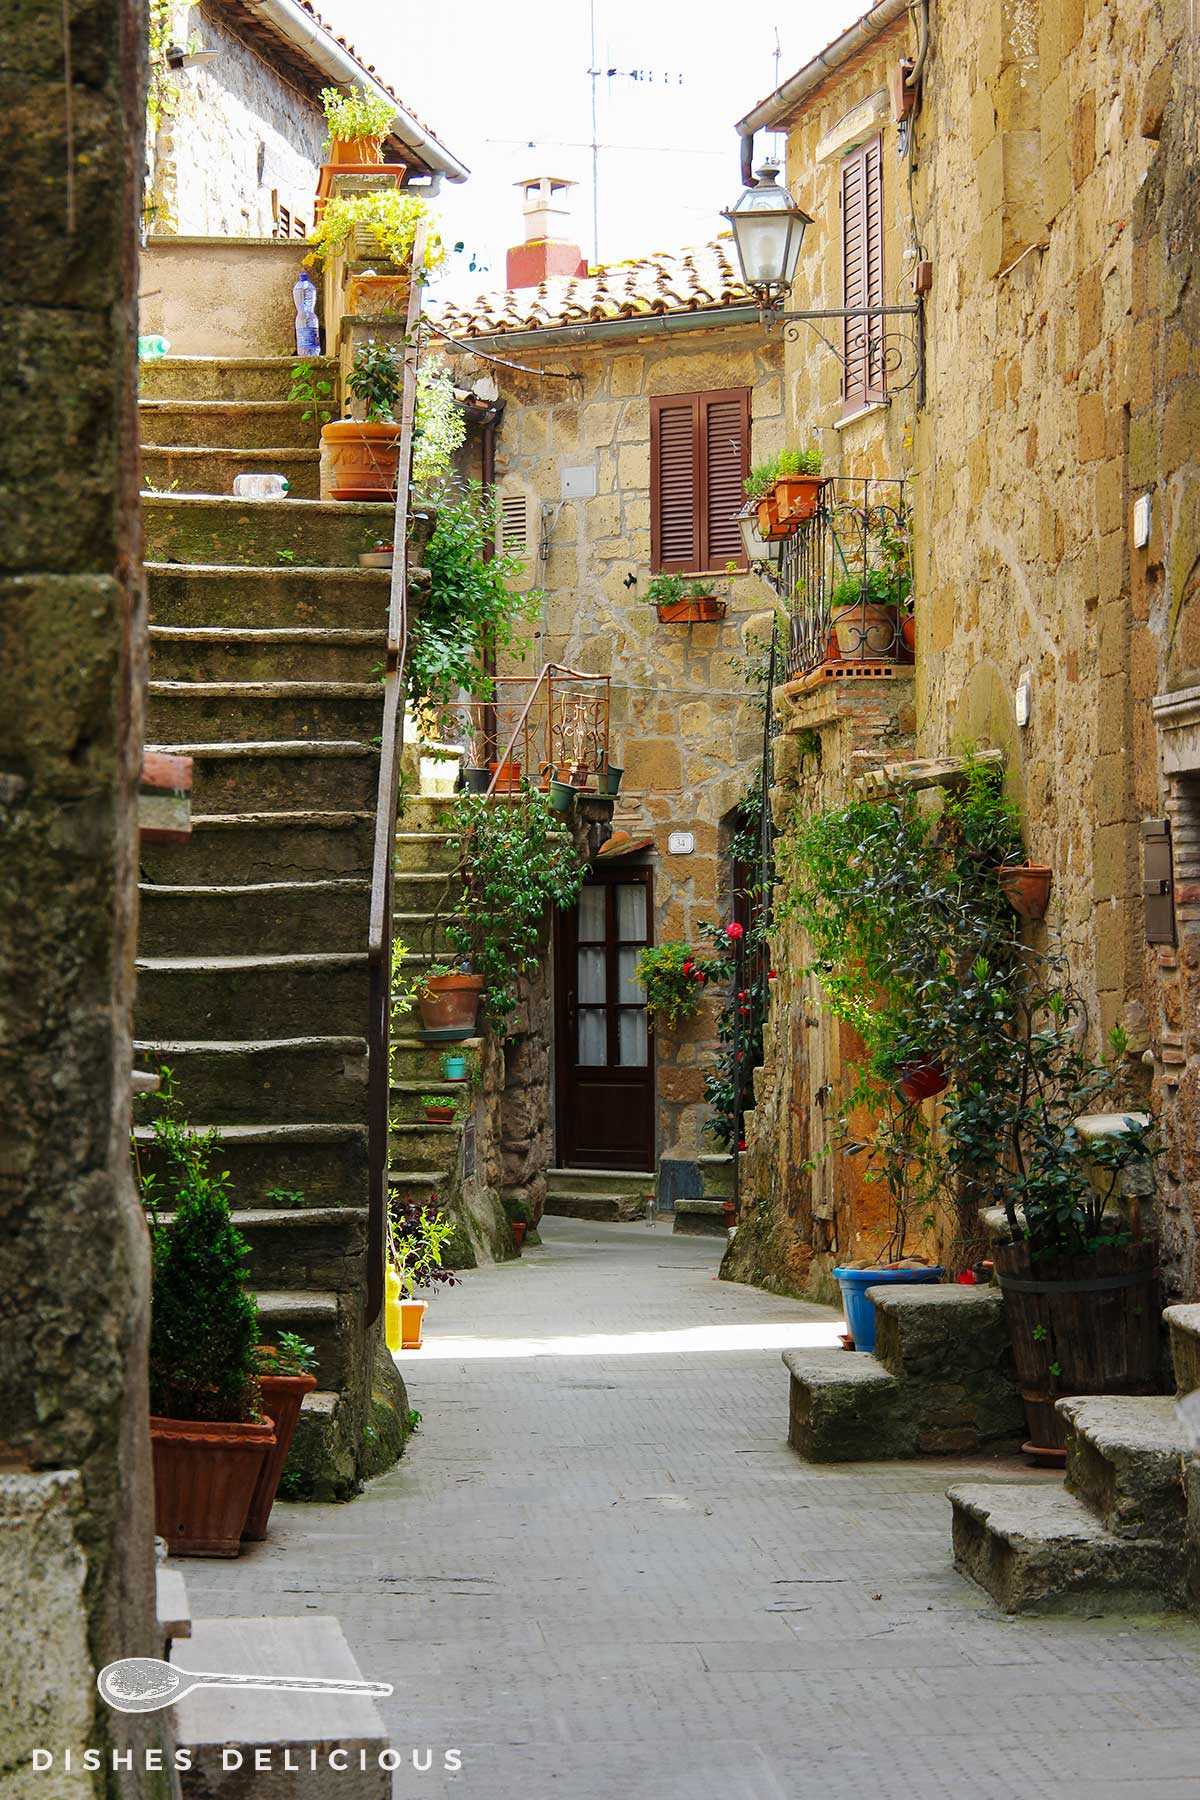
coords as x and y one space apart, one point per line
699 460
862 274
287 225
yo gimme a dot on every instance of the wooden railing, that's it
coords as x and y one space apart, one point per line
379 939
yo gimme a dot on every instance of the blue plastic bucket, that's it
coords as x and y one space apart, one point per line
860 1312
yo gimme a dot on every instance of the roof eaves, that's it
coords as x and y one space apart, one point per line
789 95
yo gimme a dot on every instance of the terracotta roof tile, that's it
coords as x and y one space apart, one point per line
670 282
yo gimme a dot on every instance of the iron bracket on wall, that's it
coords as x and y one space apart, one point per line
887 352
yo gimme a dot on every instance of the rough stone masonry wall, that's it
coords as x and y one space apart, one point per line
241 130
76 1516
688 741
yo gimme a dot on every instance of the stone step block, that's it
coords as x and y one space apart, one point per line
266 846
601 1208
1183 1323
716 1174
1035 1548
315 1317
700 1218
424 852
632 1183
320 1249
316 1165
256 777
950 1347
276 1738
1125 1460
312 917
406 1186
198 469
424 931
255 425
218 528
289 1081
242 711
843 1407
406 1108
418 1063
251 996
227 377
417 1144
309 653
172 1609
424 812
220 594
426 894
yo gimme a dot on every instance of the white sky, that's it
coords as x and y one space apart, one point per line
493 79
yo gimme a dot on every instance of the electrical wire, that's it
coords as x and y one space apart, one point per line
501 361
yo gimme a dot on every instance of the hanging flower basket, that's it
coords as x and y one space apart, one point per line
1026 887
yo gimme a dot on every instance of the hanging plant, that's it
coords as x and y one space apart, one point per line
674 977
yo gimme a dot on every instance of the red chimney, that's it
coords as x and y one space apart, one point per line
546 250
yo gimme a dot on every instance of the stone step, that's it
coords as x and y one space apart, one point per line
318 1249
843 1407
1183 1323
227 377
716 1175
278 653
949 1345
700 1218
266 846
420 930
259 425
317 1165
252 996
418 1063
315 1317
241 711
602 1208
221 594
277 1732
417 892
405 1185
628 1182
1125 1460
172 1609
406 1108
426 812
217 528
417 1144
424 852
309 917
193 469
1035 1548
288 1080
298 772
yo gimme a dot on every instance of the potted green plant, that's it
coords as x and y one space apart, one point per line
674 977
448 1000
208 1432
454 1066
357 123
364 454
417 1235
369 228
864 613
286 1373
683 601
787 490
440 1109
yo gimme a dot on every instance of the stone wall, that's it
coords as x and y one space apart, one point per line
240 132
686 735
75 1492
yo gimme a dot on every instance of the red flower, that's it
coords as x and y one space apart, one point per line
770 974
687 967
734 931
741 1143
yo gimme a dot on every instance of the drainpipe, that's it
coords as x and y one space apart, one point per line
302 29
488 477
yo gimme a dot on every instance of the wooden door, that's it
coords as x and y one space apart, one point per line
604 1036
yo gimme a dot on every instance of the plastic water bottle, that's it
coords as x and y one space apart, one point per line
308 334
261 487
150 348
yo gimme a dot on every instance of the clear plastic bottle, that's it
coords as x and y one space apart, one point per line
261 487
308 332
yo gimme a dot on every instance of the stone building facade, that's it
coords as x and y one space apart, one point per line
573 467
1042 185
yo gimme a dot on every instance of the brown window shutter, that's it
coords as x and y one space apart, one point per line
674 482
726 464
1158 881
862 273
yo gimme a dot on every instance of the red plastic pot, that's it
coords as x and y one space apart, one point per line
518 1233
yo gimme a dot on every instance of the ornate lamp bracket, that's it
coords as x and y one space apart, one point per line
889 351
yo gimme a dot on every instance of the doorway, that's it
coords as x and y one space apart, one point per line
605 1075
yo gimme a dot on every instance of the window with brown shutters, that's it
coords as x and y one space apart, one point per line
699 460
862 274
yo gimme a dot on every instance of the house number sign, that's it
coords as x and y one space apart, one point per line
681 843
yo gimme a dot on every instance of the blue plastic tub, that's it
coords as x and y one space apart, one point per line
860 1312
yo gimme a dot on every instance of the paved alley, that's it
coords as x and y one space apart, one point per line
600 1573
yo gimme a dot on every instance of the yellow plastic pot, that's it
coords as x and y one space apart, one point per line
392 1324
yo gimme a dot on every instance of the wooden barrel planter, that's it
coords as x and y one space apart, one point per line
1097 1317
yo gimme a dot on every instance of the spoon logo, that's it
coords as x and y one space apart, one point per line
143 1684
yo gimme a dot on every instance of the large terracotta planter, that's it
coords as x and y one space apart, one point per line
1026 887
700 609
378 296
282 1398
205 1474
450 1003
866 633
508 777
363 459
356 151
797 498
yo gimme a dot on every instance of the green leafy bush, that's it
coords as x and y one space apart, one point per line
470 605
667 590
390 216
784 465
356 115
674 977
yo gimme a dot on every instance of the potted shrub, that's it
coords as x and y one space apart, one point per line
681 601
286 1373
786 489
449 1002
454 1066
357 123
418 1233
375 227
865 617
440 1109
208 1432
364 454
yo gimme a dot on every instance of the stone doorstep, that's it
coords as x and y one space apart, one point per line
604 1208
172 1608
700 1218
210 1720
928 1328
843 1407
1183 1322
1036 1548
1125 1460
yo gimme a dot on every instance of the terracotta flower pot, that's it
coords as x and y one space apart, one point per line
922 1080
205 1475
770 525
412 1321
1026 887
282 1398
439 1115
797 498
509 779
363 459
450 1003
866 633
908 634
700 609
357 151
518 1233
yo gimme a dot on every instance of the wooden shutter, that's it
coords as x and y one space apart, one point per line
699 459
862 274
1158 881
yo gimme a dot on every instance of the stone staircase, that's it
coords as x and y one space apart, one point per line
599 1194
1122 1533
266 642
940 1382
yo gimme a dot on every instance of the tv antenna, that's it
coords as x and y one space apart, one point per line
596 73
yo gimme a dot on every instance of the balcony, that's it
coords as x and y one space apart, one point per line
556 723
845 584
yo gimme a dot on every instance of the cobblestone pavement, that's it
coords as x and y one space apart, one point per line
600 1573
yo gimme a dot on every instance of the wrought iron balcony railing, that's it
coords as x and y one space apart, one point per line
555 724
845 581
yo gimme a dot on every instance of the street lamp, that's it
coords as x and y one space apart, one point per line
768 230
763 554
